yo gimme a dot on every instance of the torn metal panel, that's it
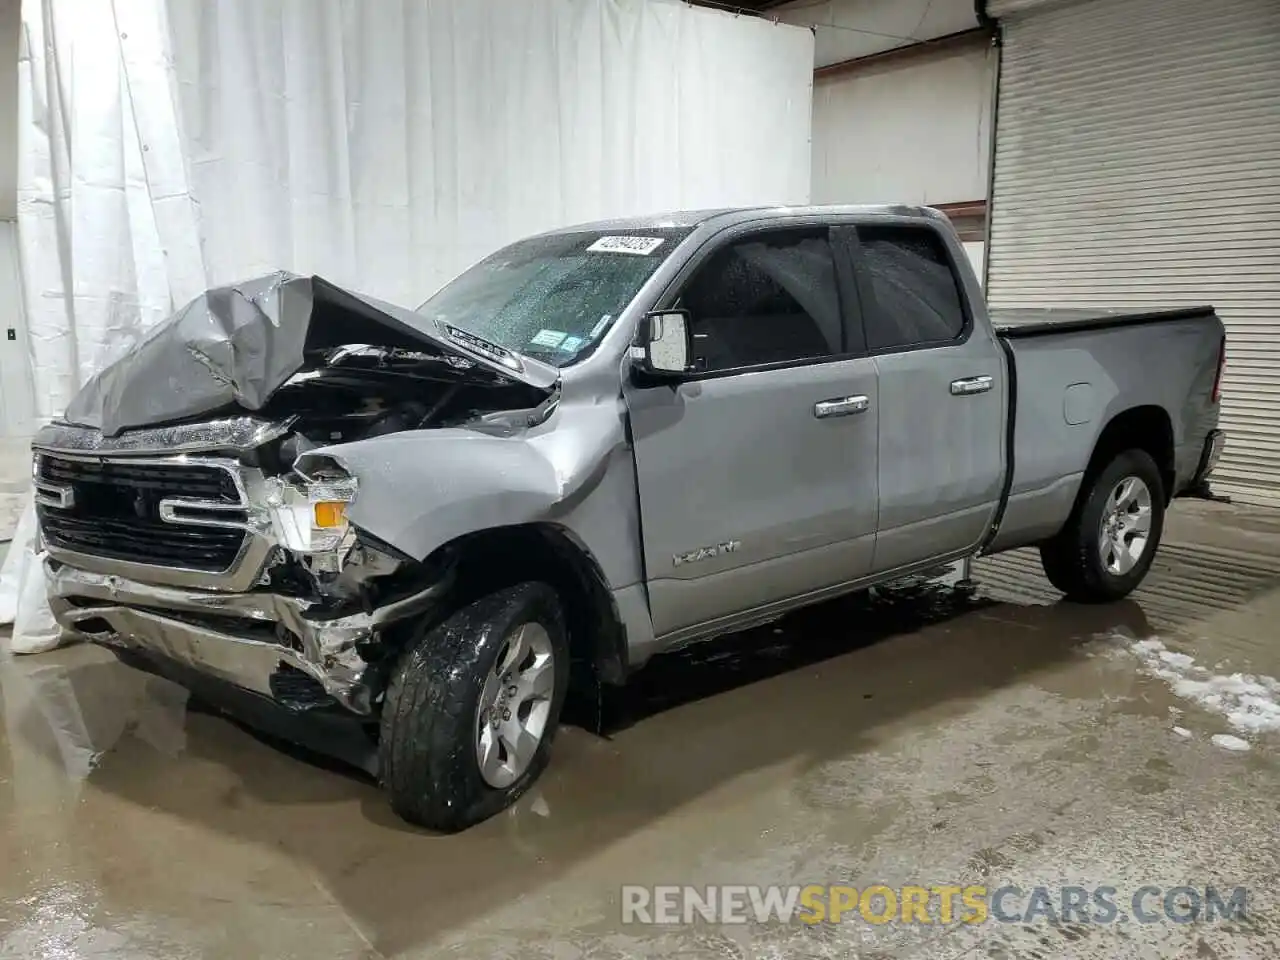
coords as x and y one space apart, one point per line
242 638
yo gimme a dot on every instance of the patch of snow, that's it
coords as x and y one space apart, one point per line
1246 703
1251 704
1227 742
1182 732
1149 647
1178 661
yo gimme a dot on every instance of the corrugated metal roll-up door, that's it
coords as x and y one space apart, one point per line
1137 161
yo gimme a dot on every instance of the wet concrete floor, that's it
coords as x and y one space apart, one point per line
922 737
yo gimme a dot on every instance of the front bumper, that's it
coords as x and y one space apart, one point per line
265 643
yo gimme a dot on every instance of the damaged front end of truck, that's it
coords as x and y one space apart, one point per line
215 500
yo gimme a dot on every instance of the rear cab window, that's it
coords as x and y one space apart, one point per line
910 289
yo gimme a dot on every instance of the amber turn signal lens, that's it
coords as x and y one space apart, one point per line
330 514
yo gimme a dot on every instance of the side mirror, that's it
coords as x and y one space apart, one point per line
664 347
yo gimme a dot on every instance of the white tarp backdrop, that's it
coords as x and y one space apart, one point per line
167 146
171 146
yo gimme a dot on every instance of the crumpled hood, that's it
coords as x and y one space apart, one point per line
238 344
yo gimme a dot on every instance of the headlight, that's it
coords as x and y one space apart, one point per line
310 515
328 500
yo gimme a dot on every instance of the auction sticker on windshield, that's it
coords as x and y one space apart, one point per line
548 338
641 246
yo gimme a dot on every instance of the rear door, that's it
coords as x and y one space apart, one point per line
942 397
757 474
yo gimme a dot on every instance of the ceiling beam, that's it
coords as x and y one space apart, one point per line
965 39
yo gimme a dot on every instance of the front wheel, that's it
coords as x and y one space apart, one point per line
472 709
1110 539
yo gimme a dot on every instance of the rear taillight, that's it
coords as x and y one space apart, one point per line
1222 366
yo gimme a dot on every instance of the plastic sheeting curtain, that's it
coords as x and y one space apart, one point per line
171 146
168 146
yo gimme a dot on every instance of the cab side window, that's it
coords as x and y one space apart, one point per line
767 299
914 288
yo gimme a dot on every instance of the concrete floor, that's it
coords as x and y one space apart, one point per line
926 737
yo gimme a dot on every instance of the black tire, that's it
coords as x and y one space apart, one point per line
427 747
1072 560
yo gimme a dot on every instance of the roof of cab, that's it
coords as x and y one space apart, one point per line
729 215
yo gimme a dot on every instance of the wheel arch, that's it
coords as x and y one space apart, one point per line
493 558
1148 428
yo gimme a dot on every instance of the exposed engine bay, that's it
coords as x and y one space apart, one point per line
361 391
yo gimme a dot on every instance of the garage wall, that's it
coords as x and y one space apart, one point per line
911 129
977 256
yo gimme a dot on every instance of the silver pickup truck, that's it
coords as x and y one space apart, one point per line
595 445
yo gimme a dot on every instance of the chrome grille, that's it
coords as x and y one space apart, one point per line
111 509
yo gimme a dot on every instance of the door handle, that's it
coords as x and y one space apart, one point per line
840 407
969 385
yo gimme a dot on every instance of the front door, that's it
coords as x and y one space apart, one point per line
757 474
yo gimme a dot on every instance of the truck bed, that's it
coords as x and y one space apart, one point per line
1071 371
1037 321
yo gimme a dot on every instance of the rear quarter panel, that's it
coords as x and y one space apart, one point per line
1070 385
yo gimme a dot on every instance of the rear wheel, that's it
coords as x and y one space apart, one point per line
1110 539
472 709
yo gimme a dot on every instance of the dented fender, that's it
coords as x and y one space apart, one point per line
421 489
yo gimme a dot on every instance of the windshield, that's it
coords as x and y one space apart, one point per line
552 298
